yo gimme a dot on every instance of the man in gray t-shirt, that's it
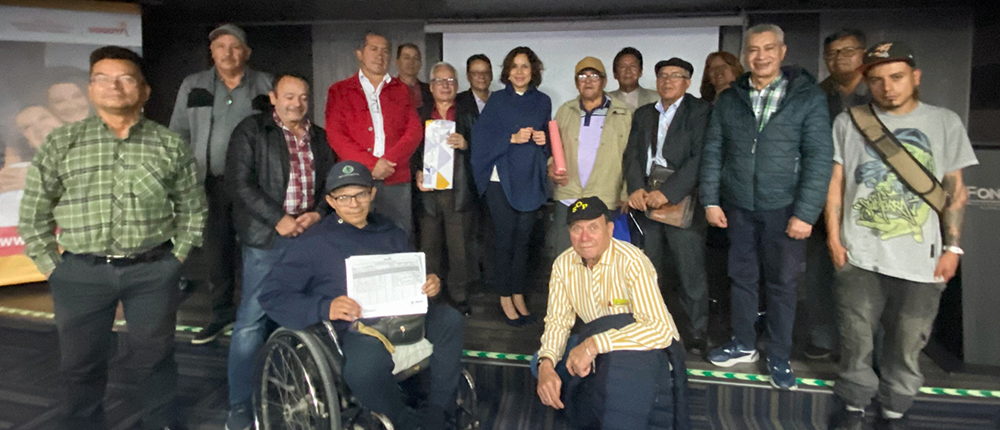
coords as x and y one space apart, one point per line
892 259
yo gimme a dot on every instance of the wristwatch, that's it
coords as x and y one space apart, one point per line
954 250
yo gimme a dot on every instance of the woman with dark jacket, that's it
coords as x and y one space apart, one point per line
509 155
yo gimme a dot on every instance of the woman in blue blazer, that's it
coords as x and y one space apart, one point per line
509 154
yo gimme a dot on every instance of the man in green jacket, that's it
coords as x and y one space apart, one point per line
765 170
594 131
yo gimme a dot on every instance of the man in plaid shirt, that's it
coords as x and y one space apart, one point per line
765 169
276 166
123 193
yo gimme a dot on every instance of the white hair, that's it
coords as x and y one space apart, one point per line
762 28
443 64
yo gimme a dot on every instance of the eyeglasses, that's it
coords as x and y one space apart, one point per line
362 197
480 74
672 76
439 81
127 81
844 52
588 77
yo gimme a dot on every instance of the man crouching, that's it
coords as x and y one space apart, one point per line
310 286
625 358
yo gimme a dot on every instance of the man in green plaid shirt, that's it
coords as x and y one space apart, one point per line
118 194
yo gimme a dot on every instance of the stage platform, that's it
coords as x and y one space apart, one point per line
734 398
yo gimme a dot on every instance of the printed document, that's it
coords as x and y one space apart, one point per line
388 284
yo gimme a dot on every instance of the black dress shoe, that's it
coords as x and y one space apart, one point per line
516 322
527 319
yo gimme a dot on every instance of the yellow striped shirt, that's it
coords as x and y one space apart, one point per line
623 281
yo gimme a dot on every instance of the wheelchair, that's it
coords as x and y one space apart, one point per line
301 387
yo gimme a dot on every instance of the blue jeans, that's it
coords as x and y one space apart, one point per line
250 330
756 236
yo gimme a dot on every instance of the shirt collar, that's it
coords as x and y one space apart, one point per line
606 104
277 120
774 84
385 78
674 105
604 259
435 114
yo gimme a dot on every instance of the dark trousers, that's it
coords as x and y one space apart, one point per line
511 239
756 236
907 311
394 201
686 249
368 367
451 230
85 296
818 281
221 251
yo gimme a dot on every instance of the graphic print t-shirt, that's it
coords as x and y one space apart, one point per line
888 229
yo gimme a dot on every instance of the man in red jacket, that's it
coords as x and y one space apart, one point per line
370 119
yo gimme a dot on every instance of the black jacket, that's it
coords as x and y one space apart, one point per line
257 168
682 148
467 101
464 186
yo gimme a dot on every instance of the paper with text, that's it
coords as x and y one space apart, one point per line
388 284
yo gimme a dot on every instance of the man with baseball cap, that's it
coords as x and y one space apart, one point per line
611 286
669 135
209 105
594 130
894 253
309 286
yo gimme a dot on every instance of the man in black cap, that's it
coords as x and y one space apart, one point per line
209 105
626 326
275 168
309 286
893 252
669 135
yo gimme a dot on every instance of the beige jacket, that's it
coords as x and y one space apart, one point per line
645 97
606 179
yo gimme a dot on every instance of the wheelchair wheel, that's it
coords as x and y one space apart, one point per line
297 389
466 418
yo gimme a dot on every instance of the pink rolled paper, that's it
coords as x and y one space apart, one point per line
557 149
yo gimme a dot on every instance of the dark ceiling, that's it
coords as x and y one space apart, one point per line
258 11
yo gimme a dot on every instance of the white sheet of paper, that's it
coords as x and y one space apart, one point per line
388 284
439 158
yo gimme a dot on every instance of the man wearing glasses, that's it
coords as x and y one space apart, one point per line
765 170
594 130
124 193
669 134
309 286
445 216
844 88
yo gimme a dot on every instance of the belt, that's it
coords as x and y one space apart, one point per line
128 260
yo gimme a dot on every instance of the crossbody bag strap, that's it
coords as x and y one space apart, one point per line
910 172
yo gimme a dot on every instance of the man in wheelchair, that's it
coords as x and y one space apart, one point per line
624 369
310 286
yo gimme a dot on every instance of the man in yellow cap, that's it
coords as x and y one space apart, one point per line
594 131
